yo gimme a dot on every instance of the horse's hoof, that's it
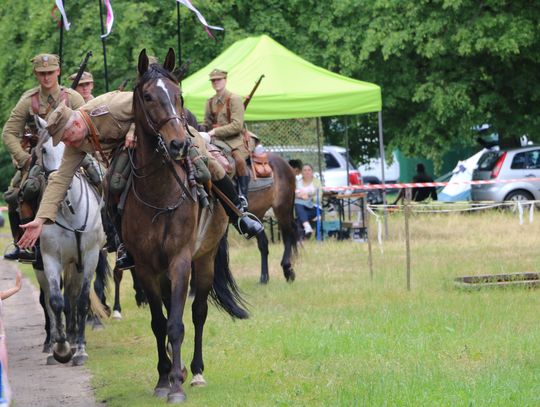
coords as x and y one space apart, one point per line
51 360
264 279
98 326
176 398
62 352
198 381
290 276
116 315
161 392
80 359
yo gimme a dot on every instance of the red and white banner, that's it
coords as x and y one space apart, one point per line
201 18
428 184
60 5
110 18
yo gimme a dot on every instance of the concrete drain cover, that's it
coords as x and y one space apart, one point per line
498 280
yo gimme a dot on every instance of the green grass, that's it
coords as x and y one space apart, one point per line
336 337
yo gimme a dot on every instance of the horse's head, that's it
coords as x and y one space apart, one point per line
47 155
157 104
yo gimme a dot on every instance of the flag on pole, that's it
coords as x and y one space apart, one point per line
110 18
60 5
201 18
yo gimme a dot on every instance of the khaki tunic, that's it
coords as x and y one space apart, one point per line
112 116
216 116
22 114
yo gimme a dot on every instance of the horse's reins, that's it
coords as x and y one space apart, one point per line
168 160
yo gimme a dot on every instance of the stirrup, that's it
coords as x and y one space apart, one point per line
27 256
243 205
248 234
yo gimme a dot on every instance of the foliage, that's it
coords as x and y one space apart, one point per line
444 66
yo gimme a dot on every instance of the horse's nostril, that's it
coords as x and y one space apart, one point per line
176 147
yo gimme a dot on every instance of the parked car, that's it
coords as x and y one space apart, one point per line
371 171
334 164
517 163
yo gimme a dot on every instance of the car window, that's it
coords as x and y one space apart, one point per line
526 160
331 161
344 155
488 160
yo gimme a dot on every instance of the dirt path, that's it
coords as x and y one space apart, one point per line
33 383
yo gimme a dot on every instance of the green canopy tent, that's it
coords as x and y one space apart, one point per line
292 87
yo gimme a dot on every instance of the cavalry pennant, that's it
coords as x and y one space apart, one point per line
201 18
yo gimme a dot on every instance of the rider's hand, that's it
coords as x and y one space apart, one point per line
32 230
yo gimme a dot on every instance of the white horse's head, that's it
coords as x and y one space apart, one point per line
48 155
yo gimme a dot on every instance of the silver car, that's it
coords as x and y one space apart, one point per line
517 163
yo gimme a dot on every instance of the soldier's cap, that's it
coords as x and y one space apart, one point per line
46 62
218 74
56 123
86 77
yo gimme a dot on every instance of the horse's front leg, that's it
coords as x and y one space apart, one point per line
61 347
179 271
159 328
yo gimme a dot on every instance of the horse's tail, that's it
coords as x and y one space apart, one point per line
97 294
225 293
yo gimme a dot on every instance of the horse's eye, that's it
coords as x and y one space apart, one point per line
43 150
147 97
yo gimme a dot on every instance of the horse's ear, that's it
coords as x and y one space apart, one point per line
143 62
170 60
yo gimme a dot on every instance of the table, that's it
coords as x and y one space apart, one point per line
344 203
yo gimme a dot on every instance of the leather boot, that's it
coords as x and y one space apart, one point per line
247 225
124 260
14 222
243 188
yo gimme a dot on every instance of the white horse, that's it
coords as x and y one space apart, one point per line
70 250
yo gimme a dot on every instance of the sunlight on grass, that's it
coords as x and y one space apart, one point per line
336 337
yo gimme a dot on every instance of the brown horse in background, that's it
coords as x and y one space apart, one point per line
280 197
166 231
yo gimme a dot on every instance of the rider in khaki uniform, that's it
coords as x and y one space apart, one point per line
41 100
110 118
224 120
85 85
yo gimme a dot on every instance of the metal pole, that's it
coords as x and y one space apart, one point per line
366 224
381 153
178 35
61 47
319 162
104 47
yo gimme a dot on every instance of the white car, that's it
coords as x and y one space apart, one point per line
371 171
333 161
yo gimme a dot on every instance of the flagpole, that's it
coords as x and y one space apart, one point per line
104 47
61 47
178 34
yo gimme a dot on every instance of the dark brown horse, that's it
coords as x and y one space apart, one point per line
280 197
166 231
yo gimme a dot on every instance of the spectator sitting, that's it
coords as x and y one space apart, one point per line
307 190
422 193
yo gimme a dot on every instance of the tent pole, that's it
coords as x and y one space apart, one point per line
347 145
382 155
319 164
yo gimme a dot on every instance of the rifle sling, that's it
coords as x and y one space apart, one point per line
94 139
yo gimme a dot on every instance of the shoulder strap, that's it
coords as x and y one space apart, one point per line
35 102
94 139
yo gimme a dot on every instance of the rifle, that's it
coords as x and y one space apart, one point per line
82 67
248 98
123 85
181 72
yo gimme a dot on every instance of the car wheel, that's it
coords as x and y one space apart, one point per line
519 195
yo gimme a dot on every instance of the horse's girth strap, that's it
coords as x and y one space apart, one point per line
94 139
